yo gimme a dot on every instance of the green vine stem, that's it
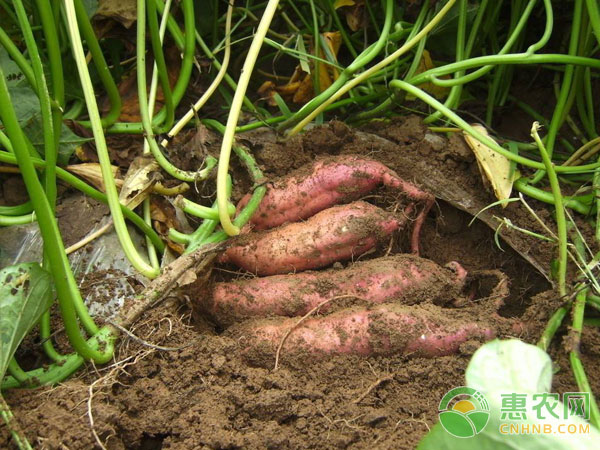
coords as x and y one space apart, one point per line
380 65
234 113
576 364
18 58
561 224
152 256
164 163
213 86
70 301
13 426
61 370
461 123
80 185
101 67
50 144
103 157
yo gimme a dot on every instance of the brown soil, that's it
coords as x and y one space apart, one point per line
202 393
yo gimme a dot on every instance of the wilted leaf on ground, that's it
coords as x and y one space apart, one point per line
92 174
495 168
25 293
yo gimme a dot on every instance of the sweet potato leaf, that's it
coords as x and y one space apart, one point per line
25 293
27 108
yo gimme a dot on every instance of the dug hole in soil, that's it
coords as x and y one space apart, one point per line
202 394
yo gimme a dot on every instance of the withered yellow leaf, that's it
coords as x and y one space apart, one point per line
495 168
142 175
92 174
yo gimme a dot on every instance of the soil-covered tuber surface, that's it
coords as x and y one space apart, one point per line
200 393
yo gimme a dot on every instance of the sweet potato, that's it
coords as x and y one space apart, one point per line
336 234
330 182
419 330
407 279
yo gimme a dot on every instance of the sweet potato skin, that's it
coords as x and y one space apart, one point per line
328 182
424 331
403 278
336 234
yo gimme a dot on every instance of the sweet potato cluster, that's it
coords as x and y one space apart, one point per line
312 219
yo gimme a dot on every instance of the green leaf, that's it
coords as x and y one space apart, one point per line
25 293
507 367
12 73
302 57
27 108
69 141
91 6
25 103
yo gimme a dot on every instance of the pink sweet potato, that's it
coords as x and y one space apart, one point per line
407 279
426 331
336 234
330 182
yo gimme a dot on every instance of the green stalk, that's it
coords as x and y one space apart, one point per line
58 92
70 301
489 61
316 78
594 13
562 104
553 325
46 338
18 58
101 67
340 27
164 163
461 52
596 190
24 208
19 438
458 121
576 364
213 86
360 61
544 196
51 117
197 238
234 113
147 214
80 185
9 221
517 58
380 65
50 144
57 372
103 157
204 212
561 224
160 67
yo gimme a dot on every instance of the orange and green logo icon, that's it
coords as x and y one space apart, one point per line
464 412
